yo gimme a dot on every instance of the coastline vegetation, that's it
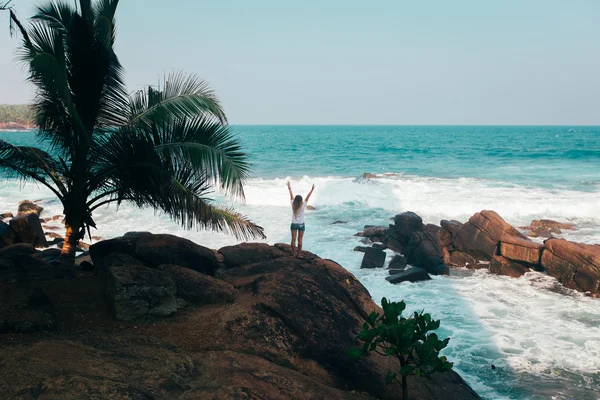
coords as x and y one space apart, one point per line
165 147
17 113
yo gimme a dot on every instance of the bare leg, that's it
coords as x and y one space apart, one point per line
294 233
300 236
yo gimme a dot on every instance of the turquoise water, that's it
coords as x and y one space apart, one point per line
543 339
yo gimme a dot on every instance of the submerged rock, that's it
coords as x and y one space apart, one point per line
413 274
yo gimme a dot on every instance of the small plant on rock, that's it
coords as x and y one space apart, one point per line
410 340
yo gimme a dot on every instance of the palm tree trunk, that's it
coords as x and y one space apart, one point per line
70 243
404 388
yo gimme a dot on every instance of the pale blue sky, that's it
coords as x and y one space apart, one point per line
359 62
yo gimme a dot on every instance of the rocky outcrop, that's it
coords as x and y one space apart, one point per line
373 258
575 265
503 266
135 291
199 288
284 335
523 250
423 250
24 310
465 260
29 229
413 274
546 227
481 235
8 235
249 253
155 250
28 207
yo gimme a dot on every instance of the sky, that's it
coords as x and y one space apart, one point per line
432 62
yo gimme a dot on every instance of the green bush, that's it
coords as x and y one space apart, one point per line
410 340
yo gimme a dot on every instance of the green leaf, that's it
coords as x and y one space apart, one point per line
407 370
389 378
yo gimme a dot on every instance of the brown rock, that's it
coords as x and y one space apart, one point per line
548 223
395 245
464 260
155 250
53 235
311 208
451 226
249 253
366 175
27 207
575 265
481 235
199 288
29 229
287 249
523 250
503 266
24 310
374 231
361 249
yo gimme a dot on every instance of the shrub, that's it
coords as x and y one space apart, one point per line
410 340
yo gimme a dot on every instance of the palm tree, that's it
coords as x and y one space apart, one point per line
165 147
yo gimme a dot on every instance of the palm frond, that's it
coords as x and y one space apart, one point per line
133 170
209 146
58 14
181 96
32 163
104 25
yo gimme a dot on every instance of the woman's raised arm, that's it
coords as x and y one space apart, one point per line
309 193
290 190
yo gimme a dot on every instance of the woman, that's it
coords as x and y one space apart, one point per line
297 227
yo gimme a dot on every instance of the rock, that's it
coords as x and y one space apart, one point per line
366 175
86 266
407 223
575 265
7 215
27 207
464 260
53 218
22 263
155 250
395 245
24 310
361 249
503 266
135 291
85 257
424 251
446 255
310 208
285 336
29 229
523 250
373 258
250 253
374 231
451 226
398 262
379 245
444 238
135 234
431 228
53 235
52 228
287 249
413 274
199 288
8 235
339 222
394 271
481 235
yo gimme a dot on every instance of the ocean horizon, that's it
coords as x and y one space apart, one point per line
543 339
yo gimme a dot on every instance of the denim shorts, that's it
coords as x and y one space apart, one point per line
298 227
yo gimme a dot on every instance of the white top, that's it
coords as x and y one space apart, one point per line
298 218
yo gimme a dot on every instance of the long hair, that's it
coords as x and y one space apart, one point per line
297 204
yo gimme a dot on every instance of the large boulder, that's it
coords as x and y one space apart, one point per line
546 227
373 258
413 274
503 266
22 263
287 249
8 235
29 207
423 251
285 336
29 229
407 223
374 232
522 250
398 262
135 291
155 250
199 288
24 310
575 265
451 226
481 235
250 253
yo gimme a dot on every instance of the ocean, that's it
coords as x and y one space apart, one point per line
543 339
